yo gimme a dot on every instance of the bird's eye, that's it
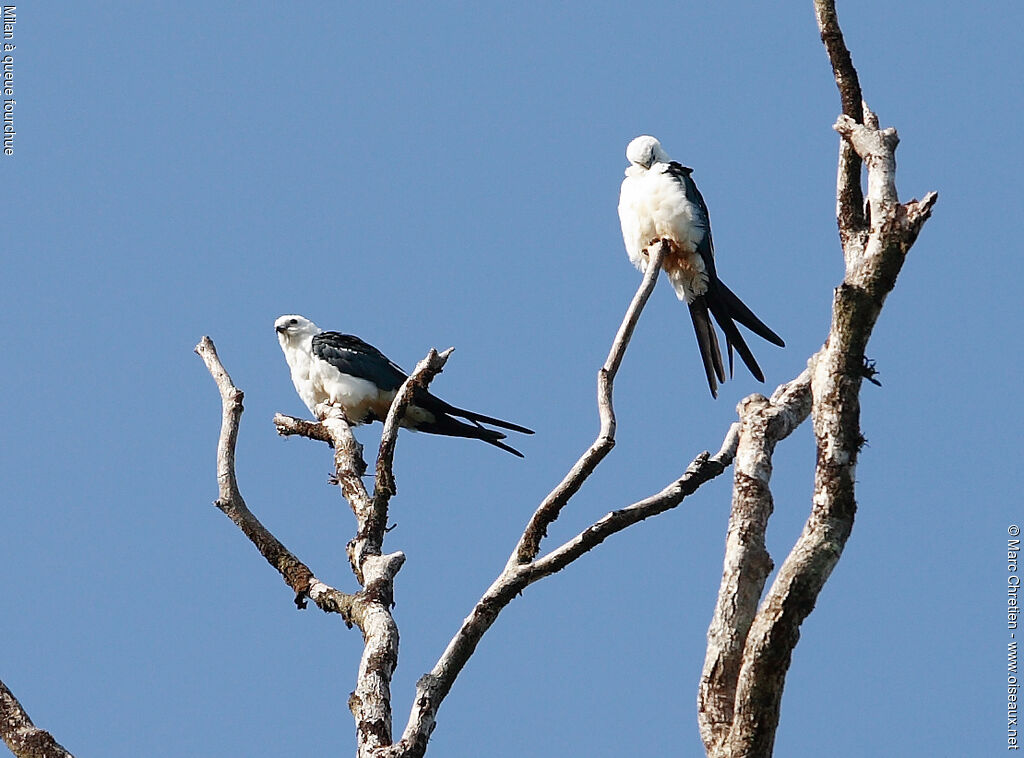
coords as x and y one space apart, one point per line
293 322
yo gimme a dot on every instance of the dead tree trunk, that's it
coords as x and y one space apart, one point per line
750 647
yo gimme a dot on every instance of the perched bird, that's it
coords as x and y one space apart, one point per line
330 367
659 203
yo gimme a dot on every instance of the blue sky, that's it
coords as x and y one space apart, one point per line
448 175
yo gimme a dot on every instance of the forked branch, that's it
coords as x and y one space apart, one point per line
524 567
763 424
295 573
750 647
547 512
370 703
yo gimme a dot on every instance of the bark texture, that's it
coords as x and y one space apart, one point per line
295 573
763 423
24 738
750 647
370 608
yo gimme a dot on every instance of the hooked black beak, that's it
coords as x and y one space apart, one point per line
280 329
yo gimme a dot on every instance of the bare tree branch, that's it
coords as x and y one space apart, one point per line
24 738
749 652
349 466
295 573
370 703
523 568
536 529
702 469
433 687
384 487
849 196
837 374
288 426
842 63
763 423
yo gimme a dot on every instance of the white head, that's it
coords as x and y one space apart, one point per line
293 330
645 151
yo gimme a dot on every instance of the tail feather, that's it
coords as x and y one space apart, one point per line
740 312
439 407
707 342
450 427
733 337
727 309
479 418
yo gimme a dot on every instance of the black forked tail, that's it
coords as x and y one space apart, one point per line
450 427
726 308
439 407
479 418
740 312
707 342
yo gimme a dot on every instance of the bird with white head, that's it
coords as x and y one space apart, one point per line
659 203
343 370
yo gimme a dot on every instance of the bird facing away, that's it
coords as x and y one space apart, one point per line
340 369
659 202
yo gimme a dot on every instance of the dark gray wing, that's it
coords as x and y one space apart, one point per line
351 356
706 247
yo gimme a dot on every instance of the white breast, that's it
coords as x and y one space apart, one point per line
653 206
300 366
356 396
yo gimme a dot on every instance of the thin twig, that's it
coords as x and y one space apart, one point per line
702 469
384 485
849 196
547 512
288 426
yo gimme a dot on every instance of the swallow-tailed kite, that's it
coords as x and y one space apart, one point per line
659 202
329 367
